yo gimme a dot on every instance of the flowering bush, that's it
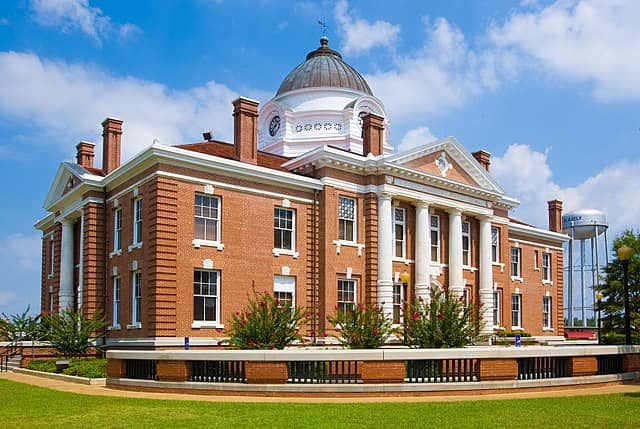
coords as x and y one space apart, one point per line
266 323
71 333
362 327
442 322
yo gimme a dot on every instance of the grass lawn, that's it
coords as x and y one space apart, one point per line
25 406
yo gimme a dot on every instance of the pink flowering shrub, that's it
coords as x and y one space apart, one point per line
362 327
266 323
443 322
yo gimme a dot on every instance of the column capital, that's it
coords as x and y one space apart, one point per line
454 211
420 203
384 196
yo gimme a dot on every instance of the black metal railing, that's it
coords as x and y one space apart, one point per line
218 371
141 369
442 370
535 368
334 372
610 364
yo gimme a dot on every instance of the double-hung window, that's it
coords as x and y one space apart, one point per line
117 229
206 218
496 308
466 243
205 295
347 219
284 229
284 290
398 300
116 302
546 267
435 238
546 312
136 302
516 310
399 238
495 245
52 262
536 260
346 295
137 221
515 262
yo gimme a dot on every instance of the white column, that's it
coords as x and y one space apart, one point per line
423 247
65 294
456 281
486 275
385 254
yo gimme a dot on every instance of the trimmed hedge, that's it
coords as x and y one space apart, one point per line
89 368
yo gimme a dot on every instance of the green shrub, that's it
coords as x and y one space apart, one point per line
362 327
618 339
266 323
442 322
71 333
511 334
42 365
89 368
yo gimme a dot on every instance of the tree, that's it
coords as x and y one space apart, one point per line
442 322
612 288
71 333
20 326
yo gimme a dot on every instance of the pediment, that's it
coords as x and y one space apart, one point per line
447 158
68 177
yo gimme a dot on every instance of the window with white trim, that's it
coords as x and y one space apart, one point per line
515 262
496 308
536 260
52 262
347 219
398 301
546 312
466 297
435 238
284 290
399 230
117 229
495 245
546 266
51 300
137 221
466 243
346 295
206 218
116 302
516 310
284 228
136 302
205 295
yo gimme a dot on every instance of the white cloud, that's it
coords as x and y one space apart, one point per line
442 75
20 268
71 15
359 35
587 40
526 175
69 101
416 137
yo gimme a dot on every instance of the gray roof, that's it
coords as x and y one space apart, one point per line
324 68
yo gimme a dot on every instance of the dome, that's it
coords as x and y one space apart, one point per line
324 68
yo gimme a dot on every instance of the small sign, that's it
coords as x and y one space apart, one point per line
186 343
518 340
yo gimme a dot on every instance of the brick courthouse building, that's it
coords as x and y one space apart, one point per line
310 203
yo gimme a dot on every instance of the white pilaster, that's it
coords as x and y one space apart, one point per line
423 246
486 276
456 281
385 254
65 295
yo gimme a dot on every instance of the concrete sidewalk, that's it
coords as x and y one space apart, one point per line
105 391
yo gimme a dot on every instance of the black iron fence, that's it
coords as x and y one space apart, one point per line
218 371
340 372
442 370
141 369
610 364
535 368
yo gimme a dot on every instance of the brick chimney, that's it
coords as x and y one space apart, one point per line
483 157
555 215
372 135
85 154
245 130
111 136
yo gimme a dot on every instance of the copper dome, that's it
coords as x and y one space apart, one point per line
324 68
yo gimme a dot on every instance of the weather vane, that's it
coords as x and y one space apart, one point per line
323 24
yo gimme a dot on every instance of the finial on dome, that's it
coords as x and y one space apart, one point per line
324 41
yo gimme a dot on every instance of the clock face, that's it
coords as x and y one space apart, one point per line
274 126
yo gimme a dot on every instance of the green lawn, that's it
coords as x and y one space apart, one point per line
25 406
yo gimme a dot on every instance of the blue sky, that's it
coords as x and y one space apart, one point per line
551 89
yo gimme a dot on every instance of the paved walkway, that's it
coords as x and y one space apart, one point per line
64 386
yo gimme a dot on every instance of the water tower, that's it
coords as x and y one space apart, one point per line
587 227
